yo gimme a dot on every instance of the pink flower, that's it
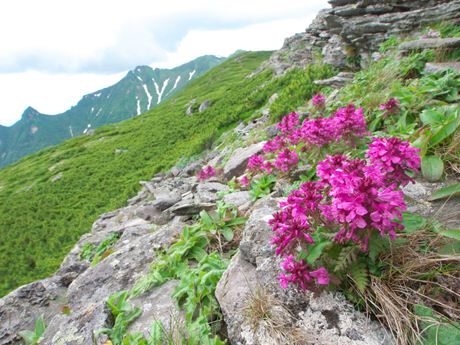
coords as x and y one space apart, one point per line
394 158
319 132
255 163
206 173
319 100
321 275
276 144
350 123
391 107
288 123
298 273
244 181
289 231
286 160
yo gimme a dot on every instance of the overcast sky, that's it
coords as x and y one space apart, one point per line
52 52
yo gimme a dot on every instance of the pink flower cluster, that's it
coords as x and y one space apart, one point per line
394 158
319 101
288 123
299 273
206 173
352 198
391 107
346 124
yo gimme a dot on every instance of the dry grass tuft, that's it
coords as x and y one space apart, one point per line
269 319
417 274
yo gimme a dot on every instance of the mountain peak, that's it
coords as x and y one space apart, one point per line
30 112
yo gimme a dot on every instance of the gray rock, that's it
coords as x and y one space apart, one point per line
206 192
273 98
57 177
157 305
430 43
152 213
434 67
193 168
257 234
21 307
334 53
331 319
233 292
205 105
272 131
236 165
241 199
165 198
190 208
338 81
88 293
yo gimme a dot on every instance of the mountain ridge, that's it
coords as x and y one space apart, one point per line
141 89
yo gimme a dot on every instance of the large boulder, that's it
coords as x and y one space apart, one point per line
236 165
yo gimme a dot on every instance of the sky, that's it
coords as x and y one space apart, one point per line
52 52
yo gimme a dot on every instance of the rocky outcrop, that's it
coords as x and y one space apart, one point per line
352 30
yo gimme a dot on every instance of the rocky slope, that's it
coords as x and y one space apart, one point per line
140 90
351 31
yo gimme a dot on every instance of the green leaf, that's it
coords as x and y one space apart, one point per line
358 272
422 141
28 336
437 330
197 253
413 222
445 192
206 218
40 326
452 248
431 117
432 168
156 333
316 250
455 234
228 233
444 132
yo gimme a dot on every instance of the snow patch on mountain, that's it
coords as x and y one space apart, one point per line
138 106
149 96
162 90
190 74
176 82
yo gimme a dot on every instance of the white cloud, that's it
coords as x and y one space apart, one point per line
54 51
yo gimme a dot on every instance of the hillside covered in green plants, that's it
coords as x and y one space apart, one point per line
49 199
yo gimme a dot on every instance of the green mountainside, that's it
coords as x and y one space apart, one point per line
140 90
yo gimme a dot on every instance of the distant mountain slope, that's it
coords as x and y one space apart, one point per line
140 90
